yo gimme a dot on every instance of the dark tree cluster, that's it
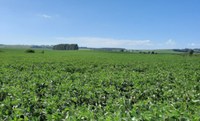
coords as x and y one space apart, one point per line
65 47
184 50
30 51
149 52
111 49
191 52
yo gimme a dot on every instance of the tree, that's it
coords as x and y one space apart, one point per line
30 51
65 47
191 52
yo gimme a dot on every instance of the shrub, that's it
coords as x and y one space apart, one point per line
30 51
42 51
191 52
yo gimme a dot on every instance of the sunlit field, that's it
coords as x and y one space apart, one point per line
98 85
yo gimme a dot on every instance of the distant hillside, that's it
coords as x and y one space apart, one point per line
27 46
111 49
196 50
42 46
14 46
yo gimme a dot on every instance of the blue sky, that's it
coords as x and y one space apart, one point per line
131 24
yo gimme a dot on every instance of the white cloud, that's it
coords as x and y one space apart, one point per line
193 45
170 42
45 16
107 42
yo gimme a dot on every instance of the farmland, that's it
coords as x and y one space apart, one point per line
98 85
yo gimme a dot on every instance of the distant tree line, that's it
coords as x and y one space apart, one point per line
187 50
196 50
111 49
42 46
66 47
182 50
149 52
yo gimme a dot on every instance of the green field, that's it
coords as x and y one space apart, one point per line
98 85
